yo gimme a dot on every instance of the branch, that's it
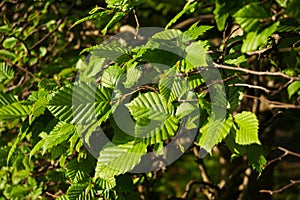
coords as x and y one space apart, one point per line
190 184
192 20
286 152
202 166
251 86
274 104
271 192
259 73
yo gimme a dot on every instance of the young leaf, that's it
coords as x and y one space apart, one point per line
188 7
293 88
6 72
111 76
255 39
15 110
250 15
9 43
246 128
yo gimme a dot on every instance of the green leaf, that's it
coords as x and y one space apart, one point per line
117 16
133 75
292 9
255 39
293 88
282 3
112 157
60 133
250 15
220 15
39 106
81 103
109 51
9 43
222 11
196 55
214 132
16 191
4 29
111 76
97 15
78 170
6 72
173 85
7 54
15 110
256 157
187 8
6 99
83 190
246 128
195 31
42 51
154 117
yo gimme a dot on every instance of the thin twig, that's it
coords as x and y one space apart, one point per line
192 20
286 153
271 192
274 104
259 73
289 152
190 184
38 43
21 68
52 195
251 86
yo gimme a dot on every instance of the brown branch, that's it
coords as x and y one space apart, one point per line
190 184
192 20
52 195
289 152
274 104
286 153
259 73
271 192
202 166
21 68
251 86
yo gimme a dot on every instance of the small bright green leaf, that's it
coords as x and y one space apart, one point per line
282 3
196 55
4 29
43 51
7 54
97 15
223 10
117 16
195 31
293 88
187 8
9 43
39 106
246 128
